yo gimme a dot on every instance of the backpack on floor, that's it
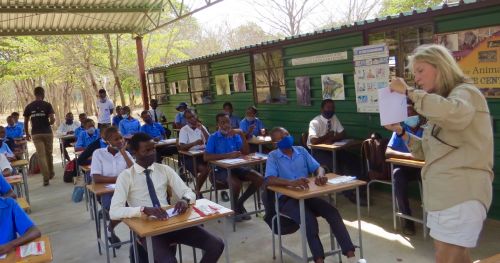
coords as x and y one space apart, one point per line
69 171
373 156
34 165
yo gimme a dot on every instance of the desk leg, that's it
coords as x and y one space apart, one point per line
96 217
134 246
393 197
231 199
334 162
260 148
149 244
195 170
358 210
303 229
24 172
226 241
104 224
277 205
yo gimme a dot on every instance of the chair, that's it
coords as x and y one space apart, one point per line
303 140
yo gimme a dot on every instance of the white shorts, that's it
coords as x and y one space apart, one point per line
458 225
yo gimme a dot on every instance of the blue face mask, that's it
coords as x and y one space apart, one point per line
125 116
285 143
412 121
91 131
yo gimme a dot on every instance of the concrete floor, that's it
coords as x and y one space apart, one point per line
72 232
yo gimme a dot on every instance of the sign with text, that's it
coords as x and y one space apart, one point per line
320 58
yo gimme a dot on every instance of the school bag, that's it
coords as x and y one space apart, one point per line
373 156
69 171
34 164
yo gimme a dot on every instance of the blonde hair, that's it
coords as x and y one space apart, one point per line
449 74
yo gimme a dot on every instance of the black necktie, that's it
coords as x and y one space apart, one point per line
151 189
329 125
156 117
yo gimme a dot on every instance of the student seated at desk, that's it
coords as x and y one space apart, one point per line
129 125
251 125
15 115
82 117
107 164
68 127
144 188
118 117
180 121
155 130
228 109
402 174
4 147
13 131
290 166
193 137
228 143
17 228
86 156
90 135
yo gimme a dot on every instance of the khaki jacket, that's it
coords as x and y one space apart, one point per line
457 146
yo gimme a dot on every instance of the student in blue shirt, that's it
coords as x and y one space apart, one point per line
12 131
4 147
17 227
82 117
6 188
228 109
180 121
251 125
118 117
129 125
403 175
290 166
86 138
153 129
229 143
15 115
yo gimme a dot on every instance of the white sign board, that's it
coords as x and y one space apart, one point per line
320 58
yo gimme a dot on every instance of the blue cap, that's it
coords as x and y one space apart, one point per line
182 104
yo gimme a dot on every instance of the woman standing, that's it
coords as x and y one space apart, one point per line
457 146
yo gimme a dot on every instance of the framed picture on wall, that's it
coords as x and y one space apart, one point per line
303 89
333 86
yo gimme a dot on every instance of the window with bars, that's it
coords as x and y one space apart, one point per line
199 83
269 77
157 87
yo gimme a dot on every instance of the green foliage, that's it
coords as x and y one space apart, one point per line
394 7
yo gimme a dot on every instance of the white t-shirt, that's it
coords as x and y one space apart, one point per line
106 164
105 109
159 114
188 135
319 127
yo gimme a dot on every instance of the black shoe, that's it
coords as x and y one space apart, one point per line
224 196
45 183
113 239
352 197
409 228
241 214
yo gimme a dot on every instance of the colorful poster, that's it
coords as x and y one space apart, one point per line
371 72
222 84
333 86
239 82
303 89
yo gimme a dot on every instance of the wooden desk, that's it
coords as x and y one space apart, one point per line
47 257
314 191
194 155
22 165
395 213
85 168
493 259
259 140
334 148
148 228
67 137
23 204
167 142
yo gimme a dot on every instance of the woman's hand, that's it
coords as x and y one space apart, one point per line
398 85
396 127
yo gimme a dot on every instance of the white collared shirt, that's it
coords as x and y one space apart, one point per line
65 128
159 114
106 164
188 135
105 109
319 127
131 188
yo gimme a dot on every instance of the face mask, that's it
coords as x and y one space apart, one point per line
103 100
286 142
412 121
148 120
148 160
91 131
227 113
327 114
250 118
125 116
69 122
224 132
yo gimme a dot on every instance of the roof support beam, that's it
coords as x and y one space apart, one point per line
79 9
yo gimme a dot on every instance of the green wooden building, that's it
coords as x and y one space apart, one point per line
270 71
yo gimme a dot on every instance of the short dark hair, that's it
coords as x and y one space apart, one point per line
81 115
126 108
277 129
136 140
39 91
227 103
153 100
109 131
15 113
144 112
324 102
102 91
9 117
219 115
87 121
118 107
69 113
253 108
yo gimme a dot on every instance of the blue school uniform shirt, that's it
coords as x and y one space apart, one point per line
235 121
5 187
85 139
220 144
116 120
245 125
154 130
20 124
300 165
13 132
13 220
4 148
78 131
129 126
179 118
398 144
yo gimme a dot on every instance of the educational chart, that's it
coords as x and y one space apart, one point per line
371 72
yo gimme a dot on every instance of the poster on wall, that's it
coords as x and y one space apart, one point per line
239 82
222 84
183 86
333 86
478 55
303 89
371 72
173 88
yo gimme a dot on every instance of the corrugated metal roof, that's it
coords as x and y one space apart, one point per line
356 26
55 17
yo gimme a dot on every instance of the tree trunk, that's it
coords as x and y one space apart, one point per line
114 65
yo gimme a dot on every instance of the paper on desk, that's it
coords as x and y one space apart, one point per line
341 179
4 256
168 141
232 161
392 107
342 142
111 186
171 213
33 248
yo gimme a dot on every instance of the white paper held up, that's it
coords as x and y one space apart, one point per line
392 107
